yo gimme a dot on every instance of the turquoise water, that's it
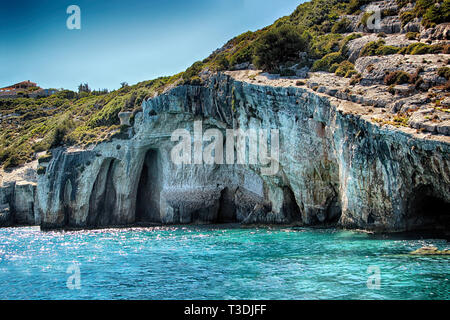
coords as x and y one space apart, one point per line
216 263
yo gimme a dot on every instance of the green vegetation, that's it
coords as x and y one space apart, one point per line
423 48
340 26
278 46
412 35
378 48
355 5
432 11
396 77
66 118
400 77
344 69
90 116
444 72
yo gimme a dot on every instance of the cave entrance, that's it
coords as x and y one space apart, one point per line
103 199
428 212
149 189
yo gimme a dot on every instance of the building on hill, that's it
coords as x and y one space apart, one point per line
25 88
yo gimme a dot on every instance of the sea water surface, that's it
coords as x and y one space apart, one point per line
217 262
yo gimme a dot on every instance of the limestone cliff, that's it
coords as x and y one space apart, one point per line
336 167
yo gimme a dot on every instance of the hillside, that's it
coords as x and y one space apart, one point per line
399 68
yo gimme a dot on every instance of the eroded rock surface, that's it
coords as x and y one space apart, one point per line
336 166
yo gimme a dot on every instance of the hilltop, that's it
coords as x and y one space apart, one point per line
396 68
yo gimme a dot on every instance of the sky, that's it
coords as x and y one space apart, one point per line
120 40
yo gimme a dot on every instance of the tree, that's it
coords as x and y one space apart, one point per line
123 84
84 87
278 46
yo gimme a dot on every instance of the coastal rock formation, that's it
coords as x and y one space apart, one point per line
335 167
18 197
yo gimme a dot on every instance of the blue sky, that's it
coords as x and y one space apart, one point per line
120 40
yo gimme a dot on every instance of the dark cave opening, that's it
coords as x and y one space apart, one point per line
290 207
149 188
428 212
102 201
227 208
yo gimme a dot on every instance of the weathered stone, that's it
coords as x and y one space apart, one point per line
125 118
335 167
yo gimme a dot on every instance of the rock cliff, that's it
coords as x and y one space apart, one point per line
335 167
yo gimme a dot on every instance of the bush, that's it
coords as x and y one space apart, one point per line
221 63
407 16
378 48
193 70
412 35
444 72
327 62
423 48
12 162
435 15
57 137
341 26
355 5
428 11
278 46
325 44
396 77
242 55
345 69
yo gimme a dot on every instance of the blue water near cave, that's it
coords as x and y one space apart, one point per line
217 263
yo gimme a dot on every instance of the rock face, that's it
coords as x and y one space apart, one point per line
334 168
18 199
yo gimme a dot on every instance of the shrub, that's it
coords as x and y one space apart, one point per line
57 137
327 61
436 14
341 26
444 72
242 55
278 46
378 48
193 70
396 77
355 5
325 44
423 48
355 79
12 162
412 35
345 69
221 63
407 16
